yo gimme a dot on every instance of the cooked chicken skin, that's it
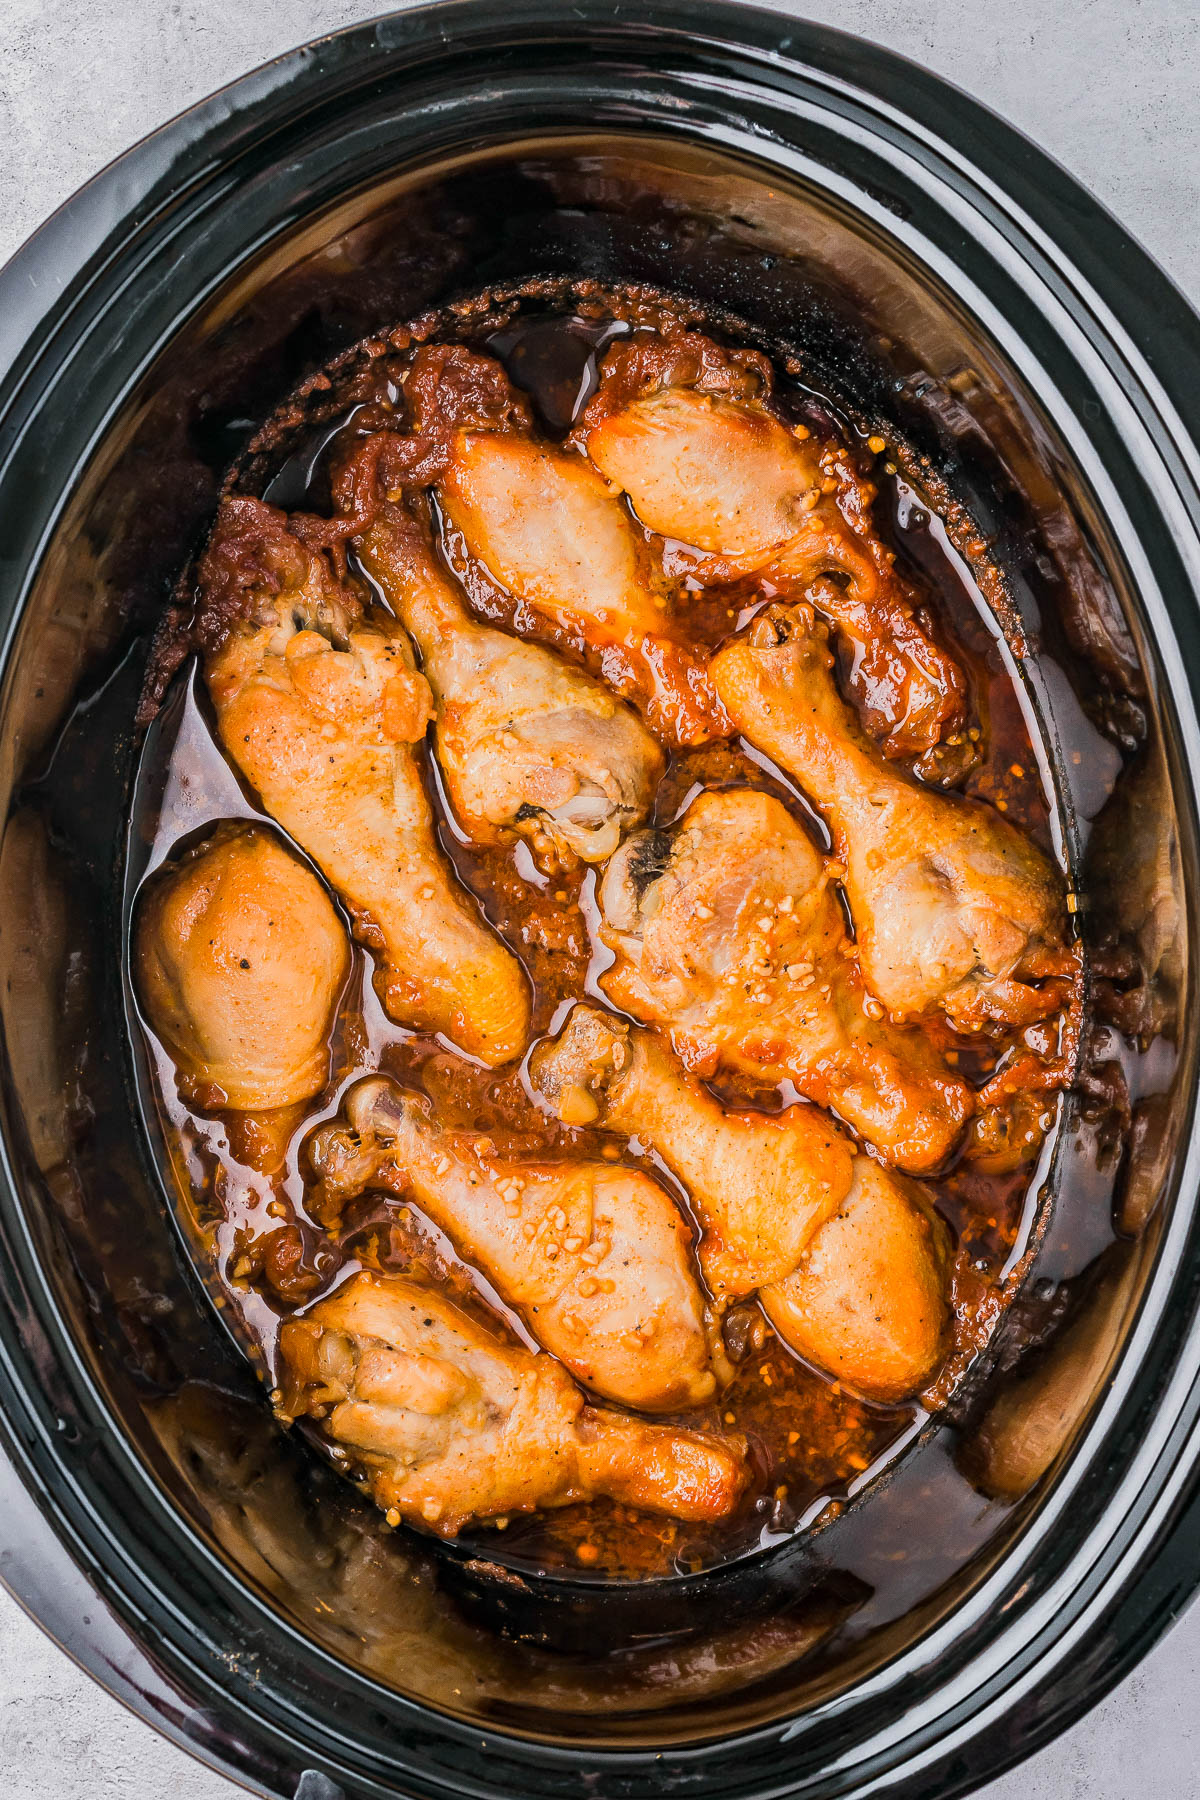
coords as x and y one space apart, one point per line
953 907
850 1259
320 709
717 470
868 1304
729 932
548 530
595 1258
528 744
457 1426
240 958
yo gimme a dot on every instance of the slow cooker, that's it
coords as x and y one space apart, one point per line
943 277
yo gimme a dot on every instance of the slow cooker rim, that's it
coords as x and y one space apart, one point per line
765 23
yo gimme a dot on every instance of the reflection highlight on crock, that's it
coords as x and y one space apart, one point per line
609 1016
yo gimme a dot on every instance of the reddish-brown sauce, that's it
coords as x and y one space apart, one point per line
265 1252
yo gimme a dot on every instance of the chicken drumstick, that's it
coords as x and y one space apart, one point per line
595 1258
548 530
728 932
240 958
684 429
850 1259
952 906
320 709
528 744
458 1426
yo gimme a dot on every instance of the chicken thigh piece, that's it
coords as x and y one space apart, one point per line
952 906
239 960
851 1260
687 432
457 1427
320 708
527 743
593 1257
727 930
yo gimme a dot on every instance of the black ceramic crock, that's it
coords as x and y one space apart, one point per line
955 288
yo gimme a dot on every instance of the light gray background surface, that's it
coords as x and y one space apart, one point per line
1112 88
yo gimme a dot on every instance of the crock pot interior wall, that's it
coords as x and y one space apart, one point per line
132 1312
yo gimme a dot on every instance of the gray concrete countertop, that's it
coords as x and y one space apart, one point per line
1109 87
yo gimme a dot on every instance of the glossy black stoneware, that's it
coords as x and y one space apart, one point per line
944 278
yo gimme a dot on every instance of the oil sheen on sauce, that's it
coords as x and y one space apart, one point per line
813 1443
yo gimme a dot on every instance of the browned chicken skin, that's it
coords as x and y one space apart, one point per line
952 906
594 1257
686 430
528 744
240 959
457 1426
321 709
728 932
851 1260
